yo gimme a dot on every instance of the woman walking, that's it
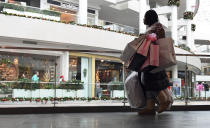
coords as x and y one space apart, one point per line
154 84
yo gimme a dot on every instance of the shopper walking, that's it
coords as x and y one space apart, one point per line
154 84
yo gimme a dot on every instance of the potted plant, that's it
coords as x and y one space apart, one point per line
72 85
188 15
193 27
174 3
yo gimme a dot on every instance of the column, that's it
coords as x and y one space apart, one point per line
190 40
84 76
174 24
96 17
93 67
83 7
6 1
143 6
44 5
65 65
174 72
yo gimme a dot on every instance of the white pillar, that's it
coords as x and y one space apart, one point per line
175 72
83 7
174 34
85 75
64 65
143 6
96 17
174 24
188 5
190 39
44 5
6 1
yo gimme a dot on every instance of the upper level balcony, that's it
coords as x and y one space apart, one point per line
19 24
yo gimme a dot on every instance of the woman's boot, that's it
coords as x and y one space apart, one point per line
164 99
149 109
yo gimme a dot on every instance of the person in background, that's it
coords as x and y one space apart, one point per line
35 77
199 88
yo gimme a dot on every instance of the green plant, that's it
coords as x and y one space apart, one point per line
26 84
174 2
51 13
72 85
6 87
193 27
116 85
33 10
188 15
12 6
48 86
183 46
5 61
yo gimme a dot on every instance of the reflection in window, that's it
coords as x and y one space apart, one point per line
74 68
14 66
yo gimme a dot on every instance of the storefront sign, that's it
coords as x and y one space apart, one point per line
176 87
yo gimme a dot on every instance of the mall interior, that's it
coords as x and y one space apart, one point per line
60 63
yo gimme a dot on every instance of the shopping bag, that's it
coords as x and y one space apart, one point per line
167 57
134 91
131 49
152 57
140 56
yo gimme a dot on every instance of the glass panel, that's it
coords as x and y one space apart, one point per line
26 79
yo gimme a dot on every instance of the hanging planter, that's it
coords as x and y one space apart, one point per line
174 3
184 47
85 72
188 15
193 27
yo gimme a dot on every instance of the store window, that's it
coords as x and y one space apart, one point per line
14 66
109 75
74 68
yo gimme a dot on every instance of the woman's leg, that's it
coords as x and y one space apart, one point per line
150 103
164 99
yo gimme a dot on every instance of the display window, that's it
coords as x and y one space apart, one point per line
74 68
14 66
109 75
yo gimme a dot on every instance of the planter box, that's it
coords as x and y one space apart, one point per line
118 93
41 93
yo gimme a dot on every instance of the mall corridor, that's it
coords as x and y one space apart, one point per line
180 119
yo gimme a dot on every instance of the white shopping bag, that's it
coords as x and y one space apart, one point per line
134 91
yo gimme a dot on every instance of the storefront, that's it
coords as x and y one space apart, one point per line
14 66
102 75
109 75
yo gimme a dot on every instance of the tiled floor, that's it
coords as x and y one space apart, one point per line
107 120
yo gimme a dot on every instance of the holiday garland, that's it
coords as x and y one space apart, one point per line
45 99
174 2
188 15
